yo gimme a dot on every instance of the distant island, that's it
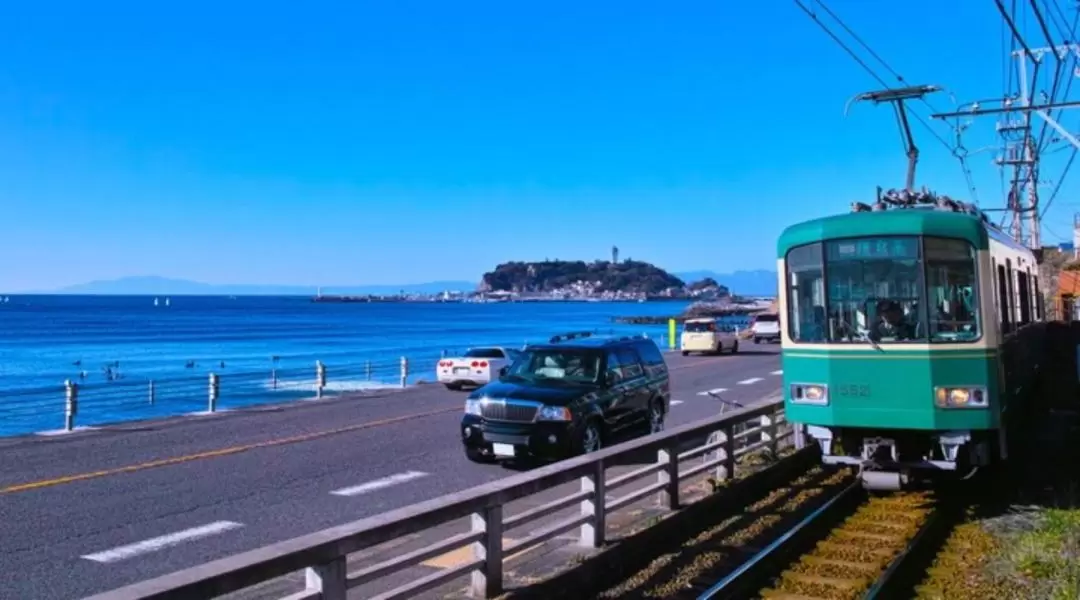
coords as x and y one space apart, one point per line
570 280
601 278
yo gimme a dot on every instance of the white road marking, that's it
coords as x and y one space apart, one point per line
750 381
676 402
162 542
712 391
777 372
379 484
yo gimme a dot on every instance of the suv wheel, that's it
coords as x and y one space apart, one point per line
719 347
735 348
757 340
589 440
656 417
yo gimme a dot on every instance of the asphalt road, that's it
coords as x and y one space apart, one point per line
91 511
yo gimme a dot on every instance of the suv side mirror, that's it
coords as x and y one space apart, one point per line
503 370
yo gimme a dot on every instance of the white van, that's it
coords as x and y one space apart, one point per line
707 335
766 327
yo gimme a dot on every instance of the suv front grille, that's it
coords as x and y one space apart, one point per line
509 411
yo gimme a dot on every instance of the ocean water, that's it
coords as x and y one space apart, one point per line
263 348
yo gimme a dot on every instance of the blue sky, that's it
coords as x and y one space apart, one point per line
397 142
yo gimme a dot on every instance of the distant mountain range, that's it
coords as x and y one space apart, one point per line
748 283
761 282
164 286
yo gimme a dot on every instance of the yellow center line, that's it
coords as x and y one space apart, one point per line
164 462
175 460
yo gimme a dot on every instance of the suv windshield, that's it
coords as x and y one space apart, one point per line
890 289
484 353
700 327
557 364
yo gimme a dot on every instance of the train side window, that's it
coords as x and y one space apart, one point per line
994 277
1003 300
1025 297
806 294
951 290
1039 314
1010 285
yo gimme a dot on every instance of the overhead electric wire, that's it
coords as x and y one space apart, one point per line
1060 181
854 56
1069 35
1039 145
954 150
1012 27
1060 20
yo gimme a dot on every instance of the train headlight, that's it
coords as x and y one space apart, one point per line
810 393
961 397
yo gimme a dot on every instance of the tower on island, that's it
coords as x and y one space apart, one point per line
614 254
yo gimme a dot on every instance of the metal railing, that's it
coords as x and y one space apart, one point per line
74 404
77 403
323 555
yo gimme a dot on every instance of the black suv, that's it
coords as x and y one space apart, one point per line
567 397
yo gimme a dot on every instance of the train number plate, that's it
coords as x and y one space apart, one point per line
853 390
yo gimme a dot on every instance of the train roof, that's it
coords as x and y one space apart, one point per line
905 221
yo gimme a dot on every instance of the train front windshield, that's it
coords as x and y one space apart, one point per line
884 290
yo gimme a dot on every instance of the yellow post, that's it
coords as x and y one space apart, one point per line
671 333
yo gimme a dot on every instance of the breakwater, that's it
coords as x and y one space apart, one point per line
731 314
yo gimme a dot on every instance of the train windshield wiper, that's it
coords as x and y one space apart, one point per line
859 336
864 336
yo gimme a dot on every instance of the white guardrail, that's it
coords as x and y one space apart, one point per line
323 554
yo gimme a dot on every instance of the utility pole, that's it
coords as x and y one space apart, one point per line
1020 148
897 97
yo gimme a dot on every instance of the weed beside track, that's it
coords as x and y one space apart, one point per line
854 555
689 569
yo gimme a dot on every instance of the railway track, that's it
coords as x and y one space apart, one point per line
856 545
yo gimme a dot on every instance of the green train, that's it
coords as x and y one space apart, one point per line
896 324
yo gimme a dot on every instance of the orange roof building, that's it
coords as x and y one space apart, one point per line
1068 290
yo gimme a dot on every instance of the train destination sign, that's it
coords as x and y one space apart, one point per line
894 248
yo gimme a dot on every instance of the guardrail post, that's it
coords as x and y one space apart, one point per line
487 579
669 476
768 432
71 404
728 434
404 371
367 369
320 379
593 531
152 392
329 580
215 390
